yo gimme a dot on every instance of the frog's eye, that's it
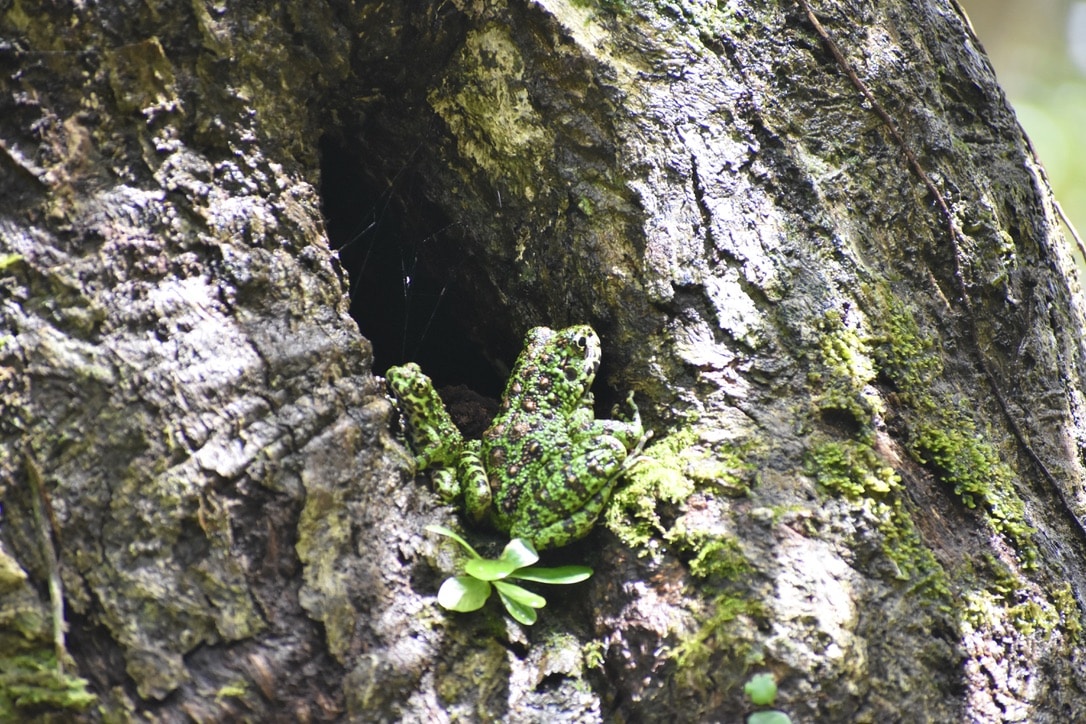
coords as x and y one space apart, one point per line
582 342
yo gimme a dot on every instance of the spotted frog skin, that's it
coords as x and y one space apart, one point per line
435 439
546 467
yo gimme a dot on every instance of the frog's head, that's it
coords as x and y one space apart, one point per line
582 353
566 366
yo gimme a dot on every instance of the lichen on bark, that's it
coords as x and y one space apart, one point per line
236 527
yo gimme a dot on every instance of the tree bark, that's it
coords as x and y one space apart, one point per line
814 241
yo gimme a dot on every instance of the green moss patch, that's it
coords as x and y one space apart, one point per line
964 460
670 471
898 354
947 442
698 655
851 469
843 371
1005 595
717 556
855 472
1063 598
30 684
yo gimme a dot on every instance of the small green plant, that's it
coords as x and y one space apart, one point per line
471 591
762 691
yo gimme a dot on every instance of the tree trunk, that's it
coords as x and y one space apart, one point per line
814 242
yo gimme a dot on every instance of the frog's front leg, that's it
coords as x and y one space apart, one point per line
631 433
473 481
431 433
438 456
441 461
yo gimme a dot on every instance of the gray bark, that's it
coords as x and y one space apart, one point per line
868 414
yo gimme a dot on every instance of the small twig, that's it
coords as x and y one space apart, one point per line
39 502
955 235
1071 228
891 126
1055 203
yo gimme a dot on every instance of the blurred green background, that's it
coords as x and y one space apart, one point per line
1038 48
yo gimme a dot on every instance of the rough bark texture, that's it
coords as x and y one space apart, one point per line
867 472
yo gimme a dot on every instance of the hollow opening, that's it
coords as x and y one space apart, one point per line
406 301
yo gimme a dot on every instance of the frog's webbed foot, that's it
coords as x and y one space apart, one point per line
631 433
635 456
635 414
445 483
440 460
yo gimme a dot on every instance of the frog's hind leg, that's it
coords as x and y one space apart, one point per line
595 474
575 527
607 463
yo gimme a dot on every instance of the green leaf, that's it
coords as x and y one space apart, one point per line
442 530
488 569
769 717
519 552
520 595
762 689
520 612
561 574
463 593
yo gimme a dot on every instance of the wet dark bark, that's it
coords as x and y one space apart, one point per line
863 373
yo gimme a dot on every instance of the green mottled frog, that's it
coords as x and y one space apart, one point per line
545 467
436 441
